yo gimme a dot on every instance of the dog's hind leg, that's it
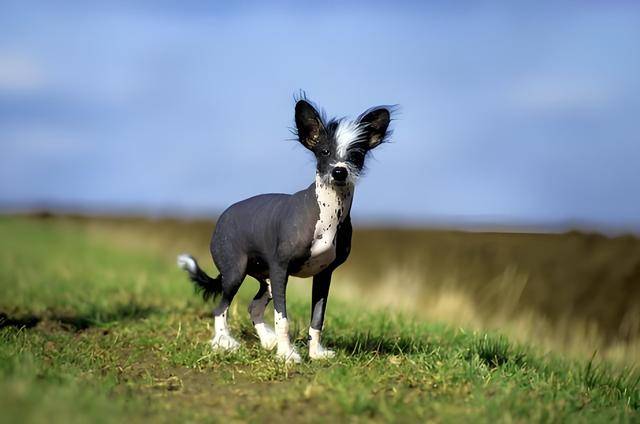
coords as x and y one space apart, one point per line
232 278
256 311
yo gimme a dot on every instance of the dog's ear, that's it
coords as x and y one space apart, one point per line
308 123
377 122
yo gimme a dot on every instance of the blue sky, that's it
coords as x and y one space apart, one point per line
526 114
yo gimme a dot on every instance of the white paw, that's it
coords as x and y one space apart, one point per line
321 353
268 339
290 356
224 342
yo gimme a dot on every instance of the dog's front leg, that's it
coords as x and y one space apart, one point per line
285 350
319 297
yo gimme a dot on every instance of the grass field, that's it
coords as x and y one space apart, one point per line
98 325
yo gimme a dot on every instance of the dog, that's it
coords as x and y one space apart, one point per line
306 234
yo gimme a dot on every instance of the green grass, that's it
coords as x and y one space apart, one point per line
98 328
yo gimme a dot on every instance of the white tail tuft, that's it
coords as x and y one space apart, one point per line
187 263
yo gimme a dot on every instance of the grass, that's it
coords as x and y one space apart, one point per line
98 325
572 293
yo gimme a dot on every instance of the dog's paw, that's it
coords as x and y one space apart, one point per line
320 352
268 339
290 356
224 342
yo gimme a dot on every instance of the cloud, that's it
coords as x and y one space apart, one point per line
558 93
19 72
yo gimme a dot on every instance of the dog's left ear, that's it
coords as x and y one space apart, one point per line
377 122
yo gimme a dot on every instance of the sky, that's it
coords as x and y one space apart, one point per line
526 114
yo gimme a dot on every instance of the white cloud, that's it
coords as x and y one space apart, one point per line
41 141
561 93
19 72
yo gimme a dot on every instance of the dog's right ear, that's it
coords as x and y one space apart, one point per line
308 123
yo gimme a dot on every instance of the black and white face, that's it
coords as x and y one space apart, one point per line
340 146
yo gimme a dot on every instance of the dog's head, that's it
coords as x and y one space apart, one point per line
340 145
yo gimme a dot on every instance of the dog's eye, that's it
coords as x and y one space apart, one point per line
356 155
325 152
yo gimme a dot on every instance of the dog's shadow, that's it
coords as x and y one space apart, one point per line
358 343
80 321
368 343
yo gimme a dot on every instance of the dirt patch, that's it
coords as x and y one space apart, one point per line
210 393
227 391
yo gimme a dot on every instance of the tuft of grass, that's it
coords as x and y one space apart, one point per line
496 351
600 377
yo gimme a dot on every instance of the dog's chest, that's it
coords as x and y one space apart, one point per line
334 205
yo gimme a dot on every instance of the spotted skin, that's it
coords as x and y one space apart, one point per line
334 204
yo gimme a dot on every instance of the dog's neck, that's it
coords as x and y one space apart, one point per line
334 201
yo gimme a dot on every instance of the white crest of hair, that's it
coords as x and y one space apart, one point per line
347 133
187 263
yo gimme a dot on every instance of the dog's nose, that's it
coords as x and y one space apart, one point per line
339 173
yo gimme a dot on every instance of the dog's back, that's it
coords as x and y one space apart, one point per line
264 228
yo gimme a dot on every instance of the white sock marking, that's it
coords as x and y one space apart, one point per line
285 350
222 339
266 335
316 350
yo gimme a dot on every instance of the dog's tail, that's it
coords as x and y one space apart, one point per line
209 287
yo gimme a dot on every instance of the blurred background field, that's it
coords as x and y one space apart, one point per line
574 293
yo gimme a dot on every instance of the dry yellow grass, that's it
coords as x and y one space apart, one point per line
402 289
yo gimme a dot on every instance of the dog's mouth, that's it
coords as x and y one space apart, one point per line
339 183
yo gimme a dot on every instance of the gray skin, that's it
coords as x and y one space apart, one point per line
270 236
